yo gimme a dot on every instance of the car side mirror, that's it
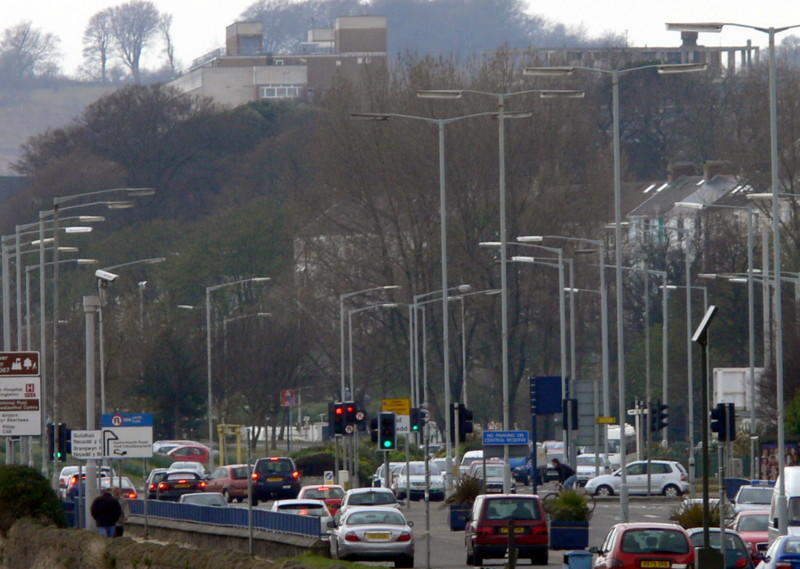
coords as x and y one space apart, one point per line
410 523
594 549
762 556
331 524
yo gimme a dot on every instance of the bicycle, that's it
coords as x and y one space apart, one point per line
549 498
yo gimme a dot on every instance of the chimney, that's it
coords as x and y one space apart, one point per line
689 39
678 169
713 168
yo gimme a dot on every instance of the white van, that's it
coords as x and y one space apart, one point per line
792 488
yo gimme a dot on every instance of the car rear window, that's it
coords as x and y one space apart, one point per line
277 466
367 518
239 473
323 493
732 541
303 509
655 541
754 523
181 475
372 499
754 496
512 509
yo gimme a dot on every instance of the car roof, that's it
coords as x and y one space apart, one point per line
368 490
299 501
321 486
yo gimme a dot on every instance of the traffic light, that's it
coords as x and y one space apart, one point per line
660 416
464 424
63 438
373 430
349 413
51 443
723 421
570 414
338 419
416 420
361 420
387 432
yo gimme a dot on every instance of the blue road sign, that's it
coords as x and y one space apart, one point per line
126 420
505 438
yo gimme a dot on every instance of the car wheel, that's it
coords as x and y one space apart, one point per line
604 490
227 496
671 491
404 562
540 558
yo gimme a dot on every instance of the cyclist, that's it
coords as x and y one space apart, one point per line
566 474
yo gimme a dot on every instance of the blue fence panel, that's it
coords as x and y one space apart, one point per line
230 517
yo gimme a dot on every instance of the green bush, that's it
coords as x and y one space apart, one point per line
315 464
568 506
692 516
465 490
25 493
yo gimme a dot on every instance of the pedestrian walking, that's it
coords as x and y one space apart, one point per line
106 511
119 528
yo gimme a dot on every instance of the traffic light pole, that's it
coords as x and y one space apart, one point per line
457 429
336 458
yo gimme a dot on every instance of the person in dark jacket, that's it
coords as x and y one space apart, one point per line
106 511
566 474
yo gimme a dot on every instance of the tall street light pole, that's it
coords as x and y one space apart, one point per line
716 27
615 74
501 116
440 123
209 290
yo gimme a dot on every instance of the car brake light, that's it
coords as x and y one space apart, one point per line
295 475
405 536
322 489
540 530
274 459
73 480
152 486
351 536
741 562
255 476
202 485
131 495
484 530
162 486
683 477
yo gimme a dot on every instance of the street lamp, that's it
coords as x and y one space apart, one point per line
615 75
716 27
461 297
101 287
501 116
750 312
209 290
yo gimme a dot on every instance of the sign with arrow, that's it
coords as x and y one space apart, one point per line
113 442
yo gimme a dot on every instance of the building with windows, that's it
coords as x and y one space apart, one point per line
242 72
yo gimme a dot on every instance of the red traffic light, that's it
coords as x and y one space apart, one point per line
339 410
350 409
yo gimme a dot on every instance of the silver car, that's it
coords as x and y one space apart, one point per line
375 533
305 507
367 497
204 499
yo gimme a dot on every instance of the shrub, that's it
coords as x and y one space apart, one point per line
25 493
568 506
692 516
466 489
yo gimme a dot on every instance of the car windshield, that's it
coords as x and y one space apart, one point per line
372 499
512 509
732 541
754 496
492 471
753 523
369 518
655 541
323 492
589 460
418 469
303 509
791 545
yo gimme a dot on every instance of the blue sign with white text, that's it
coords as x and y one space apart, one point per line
505 437
126 420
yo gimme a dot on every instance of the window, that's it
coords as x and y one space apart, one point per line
279 91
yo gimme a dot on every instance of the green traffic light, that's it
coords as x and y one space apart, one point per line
387 444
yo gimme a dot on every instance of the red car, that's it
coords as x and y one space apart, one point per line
189 453
645 546
751 525
486 534
330 494
230 480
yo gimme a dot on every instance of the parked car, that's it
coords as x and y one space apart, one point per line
666 477
752 525
753 497
151 484
590 465
415 476
189 453
275 477
305 507
494 471
367 497
229 480
377 533
164 446
486 534
737 554
645 545
331 494
215 499
175 483
783 553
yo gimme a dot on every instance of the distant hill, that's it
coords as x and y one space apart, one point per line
24 113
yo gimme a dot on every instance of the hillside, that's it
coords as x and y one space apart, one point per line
26 113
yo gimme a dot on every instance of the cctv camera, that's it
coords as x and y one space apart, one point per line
105 276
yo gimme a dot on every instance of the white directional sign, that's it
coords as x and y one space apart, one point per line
402 424
113 442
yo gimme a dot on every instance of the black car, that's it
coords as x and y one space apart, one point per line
176 483
275 477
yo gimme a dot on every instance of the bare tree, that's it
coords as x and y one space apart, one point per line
26 51
133 25
165 27
98 43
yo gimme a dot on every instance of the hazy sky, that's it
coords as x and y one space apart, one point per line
199 25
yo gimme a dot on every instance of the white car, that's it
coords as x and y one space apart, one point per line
666 477
188 465
753 497
305 507
376 480
367 497
416 477
588 465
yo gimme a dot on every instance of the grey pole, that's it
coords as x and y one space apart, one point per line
43 347
91 305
